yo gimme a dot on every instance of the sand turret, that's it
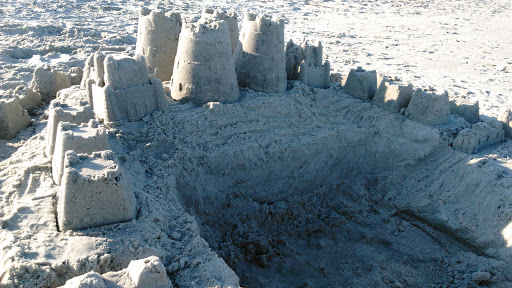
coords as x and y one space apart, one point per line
157 41
260 59
231 19
204 70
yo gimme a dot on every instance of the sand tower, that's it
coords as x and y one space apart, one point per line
312 71
260 59
231 19
204 70
157 41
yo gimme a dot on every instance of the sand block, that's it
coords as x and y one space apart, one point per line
82 139
466 109
481 135
157 41
315 76
260 59
120 88
393 95
13 118
47 82
93 192
428 108
506 120
61 112
204 70
361 84
231 19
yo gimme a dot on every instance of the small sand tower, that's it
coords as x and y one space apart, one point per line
311 71
157 40
204 70
260 59
230 17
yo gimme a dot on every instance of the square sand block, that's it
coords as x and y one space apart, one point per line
506 120
93 192
65 113
428 108
466 109
393 95
361 84
13 118
480 136
125 95
83 139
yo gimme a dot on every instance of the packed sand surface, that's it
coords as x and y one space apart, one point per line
303 188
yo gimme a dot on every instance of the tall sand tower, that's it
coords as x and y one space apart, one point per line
260 59
204 70
157 41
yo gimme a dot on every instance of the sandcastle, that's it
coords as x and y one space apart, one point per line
260 59
61 112
361 84
13 118
157 41
231 19
393 95
479 136
304 63
82 139
428 108
93 192
119 87
204 70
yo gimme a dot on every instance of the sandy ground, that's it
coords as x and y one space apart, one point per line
281 187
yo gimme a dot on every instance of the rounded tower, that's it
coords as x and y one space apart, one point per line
157 41
260 59
204 70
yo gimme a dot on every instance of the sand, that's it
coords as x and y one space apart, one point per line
305 188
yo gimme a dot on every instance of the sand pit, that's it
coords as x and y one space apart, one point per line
299 183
